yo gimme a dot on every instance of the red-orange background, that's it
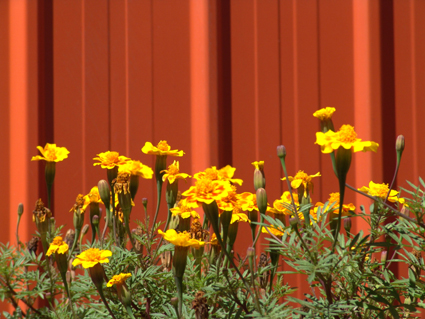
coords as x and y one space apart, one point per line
225 81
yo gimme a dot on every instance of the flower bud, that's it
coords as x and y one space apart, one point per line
85 229
281 151
399 144
20 209
95 220
262 200
144 201
293 221
347 224
384 256
104 191
78 219
259 179
250 252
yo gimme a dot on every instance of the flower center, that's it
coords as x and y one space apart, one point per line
334 198
112 157
92 254
57 241
204 186
173 169
50 154
211 174
380 190
303 176
346 134
163 146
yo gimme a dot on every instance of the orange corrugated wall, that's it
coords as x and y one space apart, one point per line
226 81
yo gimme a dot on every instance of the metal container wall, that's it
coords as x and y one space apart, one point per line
225 81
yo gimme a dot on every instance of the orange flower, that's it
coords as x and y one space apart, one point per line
346 137
229 202
51 153
173 173
92 197
206 191
91 257
223 174
110 159
161 149
303 180
281 205
248 201
184 210
136 168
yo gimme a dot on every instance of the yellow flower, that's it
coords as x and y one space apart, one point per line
258 165
223 174
110 159
184 210
51 153
275 231
281 205
324 113
302 179
381 191
57 246
92 197
118 279
248 201
346 208
173 173
206 191
239 216
91 257
161 149
229 202
136 168
182 239
345 137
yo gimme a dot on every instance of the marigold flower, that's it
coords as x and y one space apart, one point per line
110 159
281 205
118 279
239 216
91 257
136 168
229 202
381 191
92 197
57 246
184 211
345 137
248 201
324 113
173 173
223 174
258 165
302 179
346 208
182 239
275 231
206 191
161 149
51 153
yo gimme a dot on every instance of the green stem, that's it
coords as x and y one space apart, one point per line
17 232
282 162
259 230
256 295
74 244
332 154
179 284
130 312
158 202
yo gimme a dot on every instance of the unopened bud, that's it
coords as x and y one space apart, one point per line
262 200
347 224
95 220
281 151
259 179
20 209
104 191
250 252
144 201
52 225
399 144
85 229
293 221
174 301
384 256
